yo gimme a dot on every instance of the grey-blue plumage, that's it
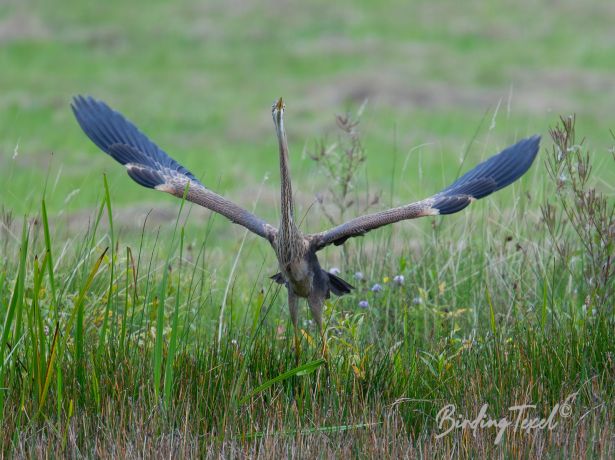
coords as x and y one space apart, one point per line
118 137
148 165
489 176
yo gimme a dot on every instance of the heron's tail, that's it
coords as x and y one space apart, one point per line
337 285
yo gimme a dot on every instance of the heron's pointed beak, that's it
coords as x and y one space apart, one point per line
279 104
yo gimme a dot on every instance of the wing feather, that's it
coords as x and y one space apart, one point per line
489 176
151 167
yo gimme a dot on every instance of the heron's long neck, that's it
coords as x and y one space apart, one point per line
287 224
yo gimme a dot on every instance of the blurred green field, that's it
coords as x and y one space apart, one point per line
199 78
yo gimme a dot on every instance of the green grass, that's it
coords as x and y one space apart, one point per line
110 348
113 336
200 80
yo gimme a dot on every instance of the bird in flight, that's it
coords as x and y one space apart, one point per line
148 165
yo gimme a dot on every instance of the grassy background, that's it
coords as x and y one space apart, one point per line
490 311
199 78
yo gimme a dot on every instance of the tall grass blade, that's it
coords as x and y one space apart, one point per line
299 371
49 265
491 312
15 307
319 429
77 315
158 345
168 373
543 307
103 330
48 372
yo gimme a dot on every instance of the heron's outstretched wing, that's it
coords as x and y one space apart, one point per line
489 176
151 167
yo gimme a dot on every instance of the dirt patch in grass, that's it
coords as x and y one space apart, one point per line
22 26
386 89
564 90
529 92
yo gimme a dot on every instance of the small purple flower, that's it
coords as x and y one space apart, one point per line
376 288
399 279
334 271
364 304
358 276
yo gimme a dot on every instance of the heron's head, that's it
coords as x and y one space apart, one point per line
277 111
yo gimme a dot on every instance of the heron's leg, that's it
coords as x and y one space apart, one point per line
316 302
293 307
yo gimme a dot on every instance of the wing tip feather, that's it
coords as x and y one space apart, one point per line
144 176
451 204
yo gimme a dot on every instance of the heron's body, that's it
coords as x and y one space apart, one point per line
300 270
